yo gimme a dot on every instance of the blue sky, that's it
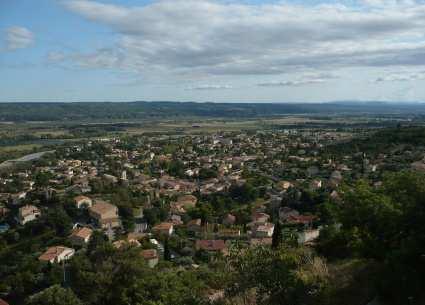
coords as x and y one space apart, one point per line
206 50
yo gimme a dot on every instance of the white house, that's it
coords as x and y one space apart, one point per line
28 213
83 202
308 236
264 230
57 254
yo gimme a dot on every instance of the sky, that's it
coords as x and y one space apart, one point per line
212 50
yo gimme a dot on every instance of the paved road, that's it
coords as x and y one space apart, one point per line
26 158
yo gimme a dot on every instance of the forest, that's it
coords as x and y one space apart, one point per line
19 112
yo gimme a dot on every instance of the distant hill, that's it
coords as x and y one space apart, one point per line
150 110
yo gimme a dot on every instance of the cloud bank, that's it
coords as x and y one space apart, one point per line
208 37
18 38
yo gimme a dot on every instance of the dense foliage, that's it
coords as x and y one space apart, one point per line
143 110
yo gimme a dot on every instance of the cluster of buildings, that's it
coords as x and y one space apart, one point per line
180 173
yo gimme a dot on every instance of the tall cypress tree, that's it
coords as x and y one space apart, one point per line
277 235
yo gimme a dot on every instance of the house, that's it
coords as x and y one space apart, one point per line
83 202
264 230
28 213
228 220
229 232
4 227
308 236
130 242
284 185
315 184
286 212
17 198
211 245
176 220
335 179
187 201
57 254
301 219
4 211
194 225
105 215
3 302
260 217
81 236
151 257
110 178
164 228
265 241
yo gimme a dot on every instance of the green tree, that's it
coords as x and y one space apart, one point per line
277 235
54 295
283 276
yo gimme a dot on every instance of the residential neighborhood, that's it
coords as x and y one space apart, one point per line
187 200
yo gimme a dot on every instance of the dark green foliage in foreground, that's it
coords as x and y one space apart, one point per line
54 295
285 276
384 224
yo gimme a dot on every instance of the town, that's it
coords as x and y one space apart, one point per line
178 201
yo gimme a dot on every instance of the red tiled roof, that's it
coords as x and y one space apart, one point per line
3 302
304 219
149 254
82 232
211 245
52 253
163 226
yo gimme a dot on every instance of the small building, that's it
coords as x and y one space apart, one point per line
28 213
229 232
284 185
265 241
217 245
122 244
83 202
4 227
56 254
194 225
164 228
228 220
151 257
308 236
264 230
315 184
105 215
306 220
81 236
3 302
188 201
260 217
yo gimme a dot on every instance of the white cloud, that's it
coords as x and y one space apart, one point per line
305 79
215 38
401 76
209 87
18 38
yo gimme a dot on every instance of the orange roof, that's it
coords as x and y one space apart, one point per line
195 222
80 198
210 245
102 207
163 226
3 302
149 254
52 253
82 232
187 199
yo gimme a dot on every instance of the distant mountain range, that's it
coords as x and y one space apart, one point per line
152 110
